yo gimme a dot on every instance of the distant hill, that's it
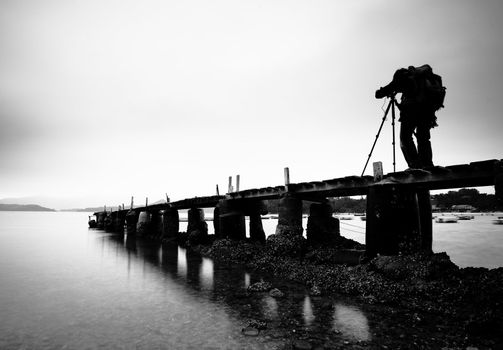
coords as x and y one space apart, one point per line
87 210
23 207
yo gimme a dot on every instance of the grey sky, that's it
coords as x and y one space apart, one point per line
101 100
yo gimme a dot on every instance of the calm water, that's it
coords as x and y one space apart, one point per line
63 286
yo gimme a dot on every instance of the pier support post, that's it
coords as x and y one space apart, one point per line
197 228
425 219
109 222
257 233
216 221
290 216
119 221
131 221
393 224
322 227
231 220
498 185
156 225
100 220
143 223
171 222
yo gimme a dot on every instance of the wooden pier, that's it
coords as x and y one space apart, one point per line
398 208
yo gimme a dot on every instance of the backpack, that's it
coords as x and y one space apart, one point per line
433 91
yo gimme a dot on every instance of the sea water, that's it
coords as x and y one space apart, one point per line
64 286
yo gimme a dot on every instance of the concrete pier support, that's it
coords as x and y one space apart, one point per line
425 220
197 228
109 222
216 221
156 225
290 216
393 224
143 223
131 221
231 221
171 222
257 233
100 220
322 227
119 221
498 185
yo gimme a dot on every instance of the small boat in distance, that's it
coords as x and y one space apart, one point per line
498 221
446 219
363 218
465 217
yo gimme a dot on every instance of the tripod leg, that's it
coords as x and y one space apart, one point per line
393 102
377 136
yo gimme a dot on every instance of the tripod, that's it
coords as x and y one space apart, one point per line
391 105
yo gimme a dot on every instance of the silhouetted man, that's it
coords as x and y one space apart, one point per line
421 90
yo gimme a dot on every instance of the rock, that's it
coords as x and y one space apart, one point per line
259 287
286 245
276 293
250 331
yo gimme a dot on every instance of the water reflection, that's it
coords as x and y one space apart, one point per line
351 322
206 274
269 307
307 311
216 283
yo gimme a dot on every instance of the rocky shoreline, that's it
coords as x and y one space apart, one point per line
428 293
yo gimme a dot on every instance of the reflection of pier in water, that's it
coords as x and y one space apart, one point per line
204 278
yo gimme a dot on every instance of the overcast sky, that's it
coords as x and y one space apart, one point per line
101 100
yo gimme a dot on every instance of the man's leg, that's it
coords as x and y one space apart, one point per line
424 146
407 143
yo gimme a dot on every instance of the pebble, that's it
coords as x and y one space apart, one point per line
250 331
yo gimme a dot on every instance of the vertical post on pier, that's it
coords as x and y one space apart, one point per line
287 177
237 183
218 192
132 202
229 189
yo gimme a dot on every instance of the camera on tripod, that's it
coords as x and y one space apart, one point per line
383 92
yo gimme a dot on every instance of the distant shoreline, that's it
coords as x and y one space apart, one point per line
24 207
